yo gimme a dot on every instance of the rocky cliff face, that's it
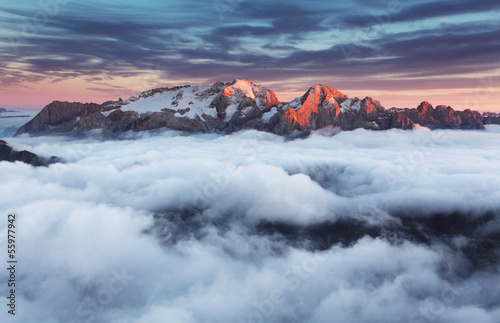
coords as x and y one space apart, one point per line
65 117
317 108
7 153
443 117
491 118
241 104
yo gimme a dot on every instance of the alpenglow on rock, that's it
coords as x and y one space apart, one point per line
239 105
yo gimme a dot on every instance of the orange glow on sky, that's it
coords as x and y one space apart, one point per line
37 95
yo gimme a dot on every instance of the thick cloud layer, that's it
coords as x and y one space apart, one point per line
360 226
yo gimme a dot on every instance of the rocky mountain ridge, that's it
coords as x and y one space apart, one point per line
491 118
238 105
7 153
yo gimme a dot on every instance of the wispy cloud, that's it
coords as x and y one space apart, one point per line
253 39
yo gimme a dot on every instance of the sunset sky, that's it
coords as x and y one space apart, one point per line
399 52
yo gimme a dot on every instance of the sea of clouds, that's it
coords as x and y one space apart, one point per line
360 226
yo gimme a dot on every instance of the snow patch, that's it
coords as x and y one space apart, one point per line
230 111
295 104
350 105
268 115
192 98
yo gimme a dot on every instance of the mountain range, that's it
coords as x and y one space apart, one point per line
3 110
241 104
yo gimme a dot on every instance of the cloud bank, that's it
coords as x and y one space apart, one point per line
360 226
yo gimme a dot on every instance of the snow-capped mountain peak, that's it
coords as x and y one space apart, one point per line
245 87
238 105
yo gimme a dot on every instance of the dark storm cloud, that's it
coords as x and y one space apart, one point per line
258 40
450 50
408 11
413 54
